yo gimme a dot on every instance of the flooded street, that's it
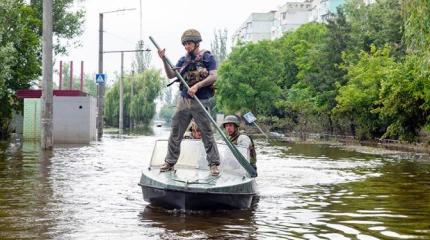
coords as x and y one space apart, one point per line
305 192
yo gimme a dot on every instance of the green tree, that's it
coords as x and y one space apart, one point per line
416 18
359 100
20 47
247 78
307 73
166 112
219 45
67 25
376 24
404 101
19 51
417 37
141 106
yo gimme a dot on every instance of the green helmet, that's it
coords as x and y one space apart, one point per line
231 119
191 35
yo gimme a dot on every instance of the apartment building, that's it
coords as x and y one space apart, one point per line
257 27
287 17
290 16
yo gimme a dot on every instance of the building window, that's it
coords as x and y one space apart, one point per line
284 15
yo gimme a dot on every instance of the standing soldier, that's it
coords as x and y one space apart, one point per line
231 125
198 68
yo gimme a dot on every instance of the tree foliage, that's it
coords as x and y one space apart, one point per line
19 51
219 45
358 101
365 72
67 24
20 47
405 101
140 107
166 112
247 78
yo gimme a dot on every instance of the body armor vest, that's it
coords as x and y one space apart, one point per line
194 71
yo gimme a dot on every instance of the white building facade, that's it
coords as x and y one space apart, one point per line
257 27
287 17
291 16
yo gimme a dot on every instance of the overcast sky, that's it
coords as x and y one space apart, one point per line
165 20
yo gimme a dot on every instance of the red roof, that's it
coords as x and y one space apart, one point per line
30 93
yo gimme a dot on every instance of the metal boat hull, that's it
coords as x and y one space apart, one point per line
172 199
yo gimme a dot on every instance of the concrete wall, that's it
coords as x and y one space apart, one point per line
31 121
74 119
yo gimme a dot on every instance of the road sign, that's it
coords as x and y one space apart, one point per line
100 78
249 117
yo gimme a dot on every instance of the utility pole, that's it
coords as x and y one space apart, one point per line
46 136
140 20
131 97
121 96
100 86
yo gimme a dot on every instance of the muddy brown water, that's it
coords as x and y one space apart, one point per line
305 192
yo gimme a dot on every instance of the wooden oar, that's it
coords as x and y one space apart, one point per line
240 158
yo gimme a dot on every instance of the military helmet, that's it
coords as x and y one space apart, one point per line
231 119
191 35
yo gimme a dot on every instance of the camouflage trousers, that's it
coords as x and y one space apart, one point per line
187 109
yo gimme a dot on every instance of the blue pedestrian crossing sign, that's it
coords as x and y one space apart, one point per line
100 78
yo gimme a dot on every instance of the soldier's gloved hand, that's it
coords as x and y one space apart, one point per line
162 53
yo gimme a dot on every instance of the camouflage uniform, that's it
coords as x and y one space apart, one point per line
241 139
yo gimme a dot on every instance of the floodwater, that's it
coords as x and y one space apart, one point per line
305 192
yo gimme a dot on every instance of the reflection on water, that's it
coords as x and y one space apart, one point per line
305 192
201 224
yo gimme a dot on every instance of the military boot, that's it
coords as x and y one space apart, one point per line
166 167
214 170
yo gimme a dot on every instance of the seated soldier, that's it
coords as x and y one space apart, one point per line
193 131
231 125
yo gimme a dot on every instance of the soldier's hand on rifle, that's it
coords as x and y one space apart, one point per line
162 53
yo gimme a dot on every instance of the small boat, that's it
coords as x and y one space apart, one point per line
190 186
